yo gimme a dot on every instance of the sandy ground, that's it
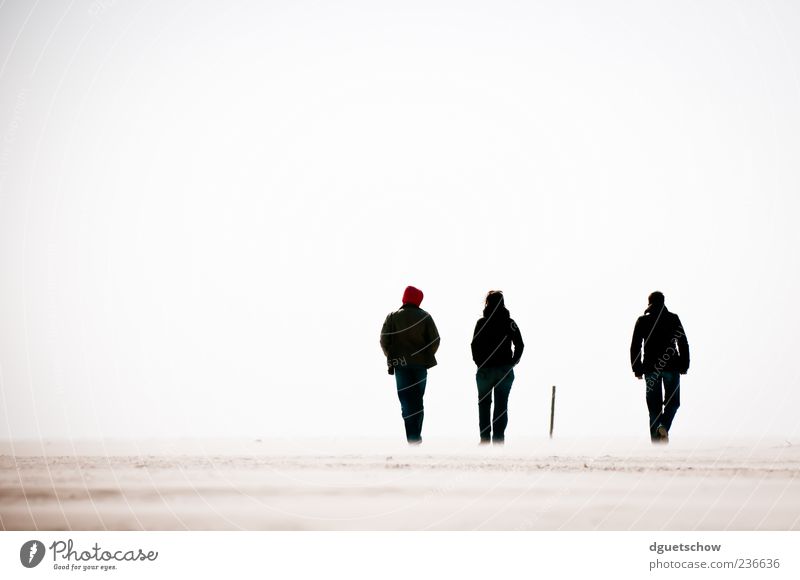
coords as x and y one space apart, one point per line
366 485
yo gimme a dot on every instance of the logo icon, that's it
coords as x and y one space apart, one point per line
31 553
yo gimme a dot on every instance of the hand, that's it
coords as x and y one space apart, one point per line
639 377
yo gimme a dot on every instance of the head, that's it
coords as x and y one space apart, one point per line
655 299
495 303
413 296
493 299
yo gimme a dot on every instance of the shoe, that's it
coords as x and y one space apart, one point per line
663 434
499 440
485 441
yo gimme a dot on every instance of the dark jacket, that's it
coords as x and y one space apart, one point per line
659 333
491 342
409 337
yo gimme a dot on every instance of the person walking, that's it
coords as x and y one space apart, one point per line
409 340
496 349
660 354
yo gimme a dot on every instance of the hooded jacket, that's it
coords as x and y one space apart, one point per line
494 334
659 342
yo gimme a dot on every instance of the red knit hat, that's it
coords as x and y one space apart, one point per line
412 296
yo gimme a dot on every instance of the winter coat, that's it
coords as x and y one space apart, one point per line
659 333
492 339
409 337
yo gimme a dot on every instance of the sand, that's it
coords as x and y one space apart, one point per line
385 485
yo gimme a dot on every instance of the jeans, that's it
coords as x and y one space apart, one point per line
411 381
497 381
662 406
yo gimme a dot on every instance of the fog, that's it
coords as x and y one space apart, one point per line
207 210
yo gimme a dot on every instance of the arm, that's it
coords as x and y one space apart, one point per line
683 346
636 350
386 335
516 340
432 335
474 344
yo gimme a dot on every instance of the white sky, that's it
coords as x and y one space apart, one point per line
207 209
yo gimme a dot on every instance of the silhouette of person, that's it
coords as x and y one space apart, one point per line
660 354
409 340
492 341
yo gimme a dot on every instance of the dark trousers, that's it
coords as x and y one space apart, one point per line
494 382
410 390
662 405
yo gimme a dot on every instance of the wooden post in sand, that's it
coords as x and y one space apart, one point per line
552 410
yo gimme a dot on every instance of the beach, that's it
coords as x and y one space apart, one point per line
341 484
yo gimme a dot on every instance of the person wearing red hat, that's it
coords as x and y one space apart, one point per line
409 340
